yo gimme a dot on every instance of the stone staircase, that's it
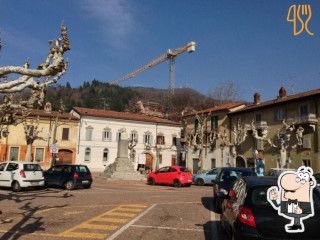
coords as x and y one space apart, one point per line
122 168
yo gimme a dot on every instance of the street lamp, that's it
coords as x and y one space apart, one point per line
222 147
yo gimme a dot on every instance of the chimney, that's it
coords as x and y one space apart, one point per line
256 98
282 92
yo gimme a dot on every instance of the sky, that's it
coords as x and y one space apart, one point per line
247 42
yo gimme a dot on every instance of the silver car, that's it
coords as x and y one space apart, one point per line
206 178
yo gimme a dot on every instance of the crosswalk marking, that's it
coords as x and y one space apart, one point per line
105 221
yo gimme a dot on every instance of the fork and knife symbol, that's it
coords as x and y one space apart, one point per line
305 10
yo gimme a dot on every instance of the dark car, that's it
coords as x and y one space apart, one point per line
247 214
317 177
69 176
224 180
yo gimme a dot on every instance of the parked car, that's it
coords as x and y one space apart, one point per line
247 214
20 174
206 178
69 176
277 171
224 180
171 175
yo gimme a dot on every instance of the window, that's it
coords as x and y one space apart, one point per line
280 114
105 155
160 158
89 133
306 142
196 124
304 110
174 141
39 154
258 117
134 136
306 162
147 138
106 135
214 125
87 154
259 144
12 166
14 154
133 155
2 166
65 134
118 136
160 140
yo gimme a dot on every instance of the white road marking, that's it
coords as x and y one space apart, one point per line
169 228
121 230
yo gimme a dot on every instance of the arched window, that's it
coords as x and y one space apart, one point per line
87 154
105 154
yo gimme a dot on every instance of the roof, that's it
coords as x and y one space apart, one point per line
43 114
280 100
122 115
224 107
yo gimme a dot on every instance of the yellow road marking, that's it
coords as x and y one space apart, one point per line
83 235
114 220
96 226
120 214
130 210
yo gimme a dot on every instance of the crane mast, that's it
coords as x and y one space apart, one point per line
171 54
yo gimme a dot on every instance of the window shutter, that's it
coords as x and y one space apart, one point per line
117 136
65 134
110 136
144 138
151 139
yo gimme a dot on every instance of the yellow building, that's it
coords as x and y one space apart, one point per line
14 146
269 119
201 156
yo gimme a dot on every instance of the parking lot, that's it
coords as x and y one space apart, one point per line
110 210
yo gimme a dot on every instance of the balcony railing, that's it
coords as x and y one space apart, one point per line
308 119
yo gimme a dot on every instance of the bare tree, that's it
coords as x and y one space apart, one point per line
225 92
34 80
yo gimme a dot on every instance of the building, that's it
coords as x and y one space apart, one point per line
14 146
154 142
201 150
277 121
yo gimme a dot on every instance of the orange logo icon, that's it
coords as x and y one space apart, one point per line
305 10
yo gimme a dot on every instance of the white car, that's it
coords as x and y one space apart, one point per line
20 174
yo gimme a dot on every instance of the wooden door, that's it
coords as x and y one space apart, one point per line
65 157
149 161
173 161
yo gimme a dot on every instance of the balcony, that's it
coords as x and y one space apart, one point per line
308 119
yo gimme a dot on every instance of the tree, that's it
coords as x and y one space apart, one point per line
225 92
14 110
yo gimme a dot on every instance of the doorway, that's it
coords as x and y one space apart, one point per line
149 161
240 162
65 156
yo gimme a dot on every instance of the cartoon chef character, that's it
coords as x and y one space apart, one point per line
295 197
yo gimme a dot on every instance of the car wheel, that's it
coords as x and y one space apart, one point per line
200 182
176 183
69 185
151 181
16 186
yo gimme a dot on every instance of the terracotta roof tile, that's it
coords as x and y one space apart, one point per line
223 107
43 114
290 98
122 115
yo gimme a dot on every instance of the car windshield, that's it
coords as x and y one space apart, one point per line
184 169
31 167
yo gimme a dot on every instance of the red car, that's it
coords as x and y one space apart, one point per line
171 175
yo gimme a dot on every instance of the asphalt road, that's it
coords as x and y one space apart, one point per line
117 210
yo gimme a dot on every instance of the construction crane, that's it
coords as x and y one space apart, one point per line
171 54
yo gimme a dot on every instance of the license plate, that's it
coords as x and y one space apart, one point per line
34 183
85 181
189 180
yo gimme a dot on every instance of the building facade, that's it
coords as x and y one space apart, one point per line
203 150
278 123
153 142
14 146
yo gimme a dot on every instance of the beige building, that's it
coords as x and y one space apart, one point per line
298 110
14 146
